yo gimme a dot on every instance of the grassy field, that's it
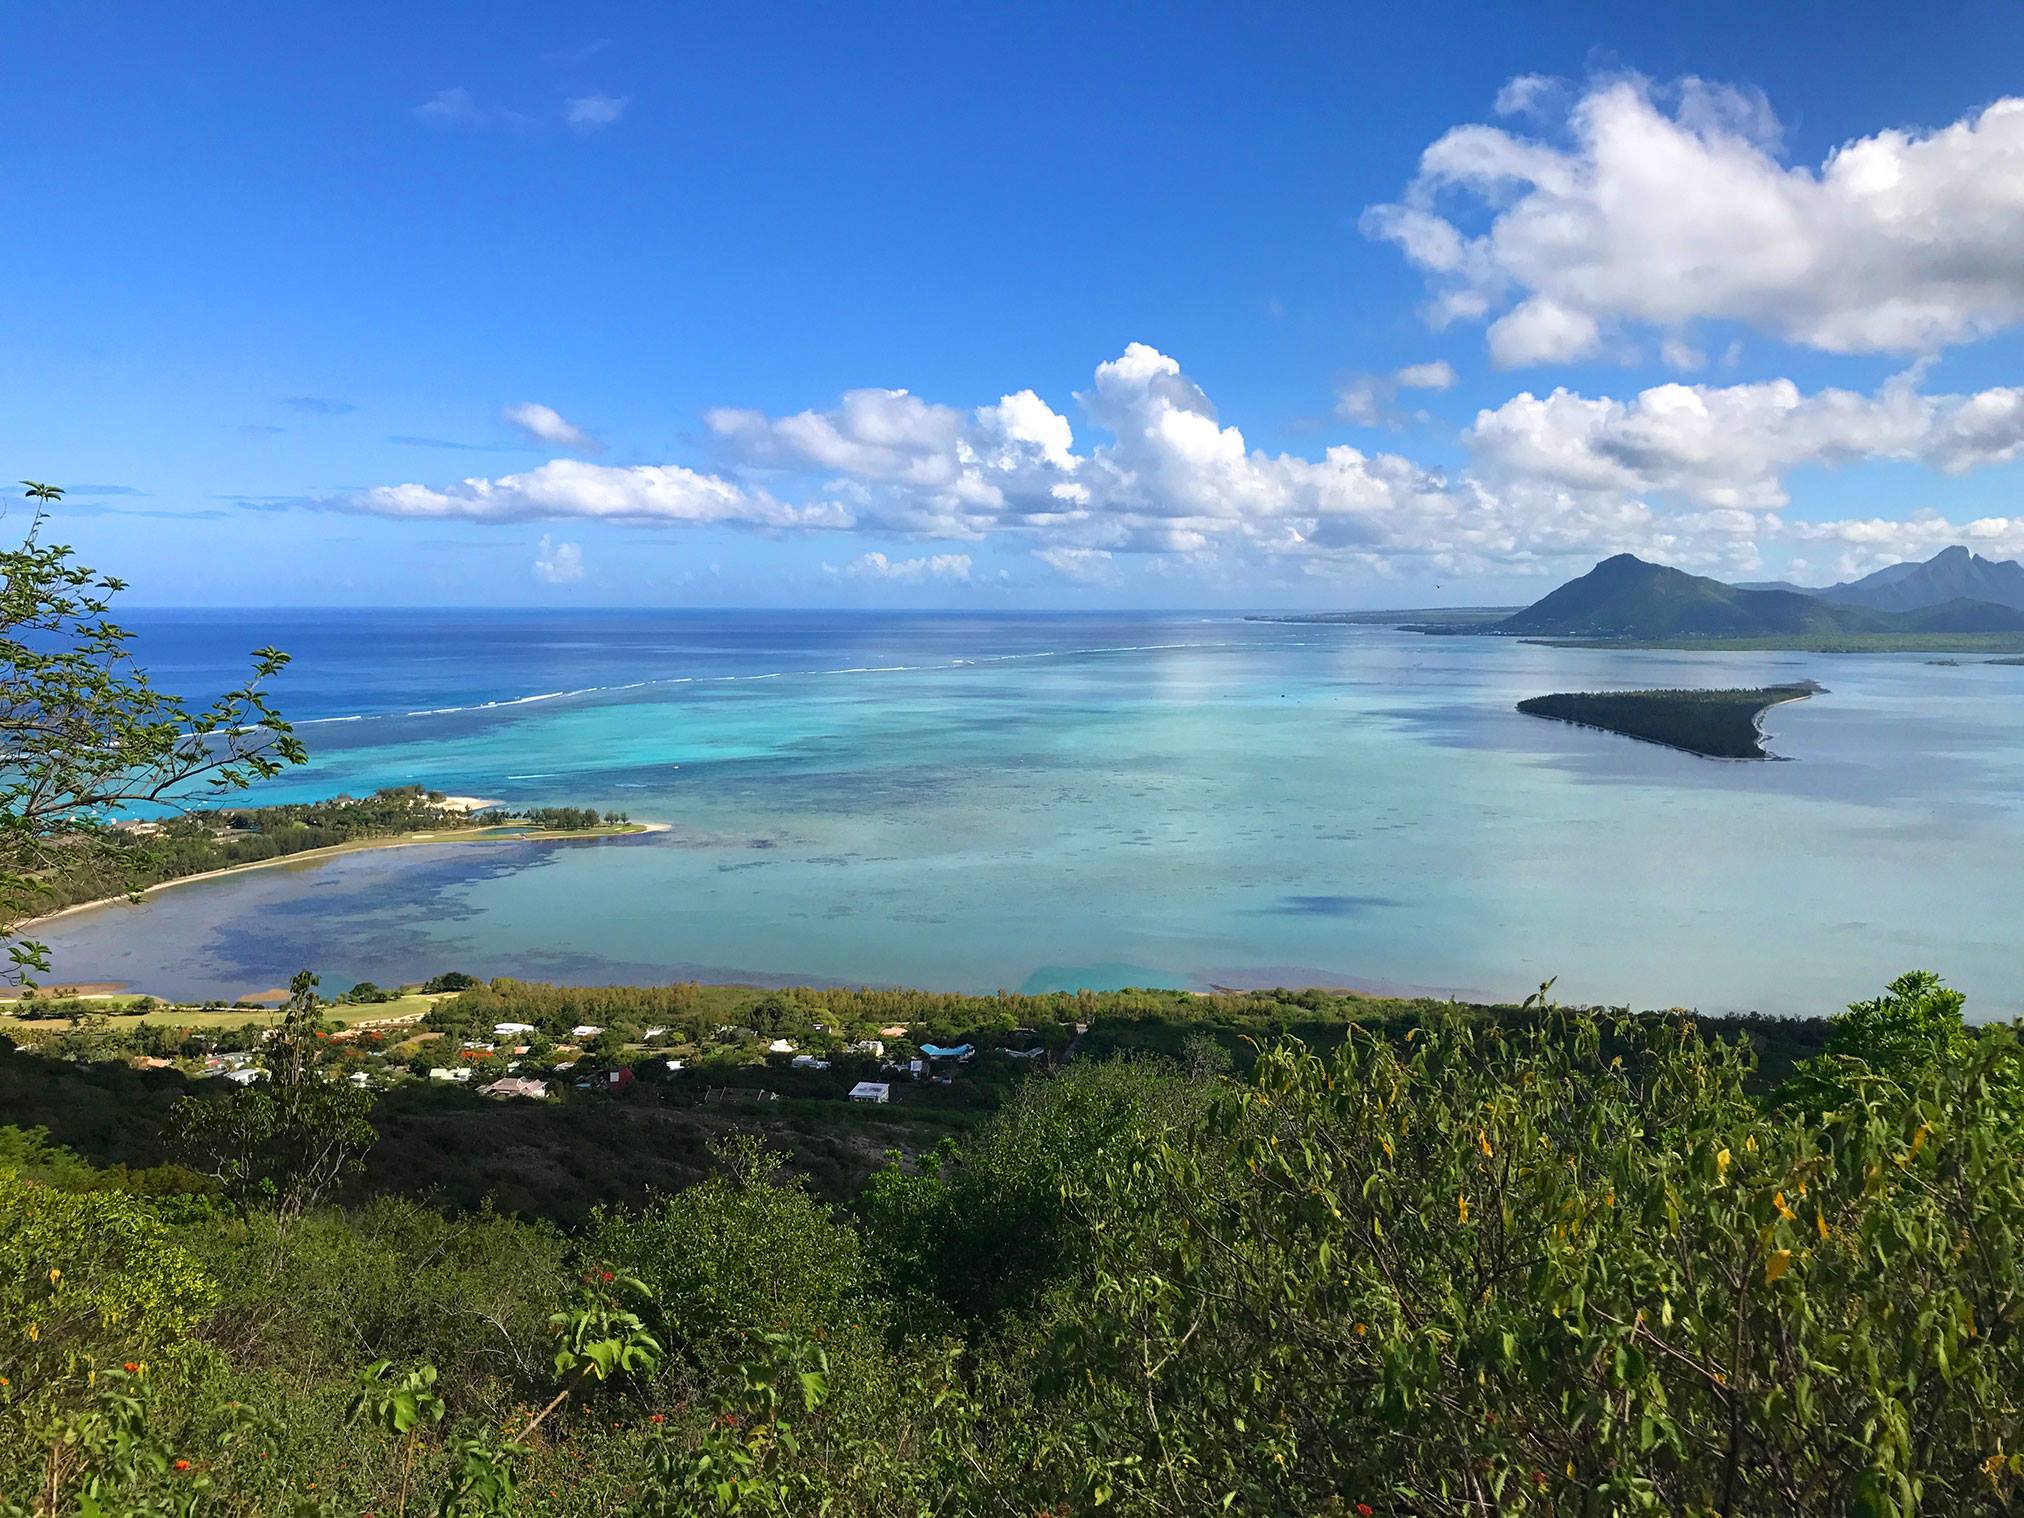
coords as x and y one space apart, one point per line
117 1015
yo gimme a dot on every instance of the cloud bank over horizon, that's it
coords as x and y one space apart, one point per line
1691 474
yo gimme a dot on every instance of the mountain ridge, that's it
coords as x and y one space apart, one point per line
1953 574
1624 596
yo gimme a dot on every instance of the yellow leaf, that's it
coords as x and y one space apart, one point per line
1820 1223
1722 1163
56 1275
1750 1143
1918 1143
1776 1264
1784 1212
1484 1139
1462 1207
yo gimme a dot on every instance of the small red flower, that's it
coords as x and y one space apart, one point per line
182 1465
1364 1510
605 1275
657 1418
132 1368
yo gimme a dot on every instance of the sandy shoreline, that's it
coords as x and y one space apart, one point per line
359 846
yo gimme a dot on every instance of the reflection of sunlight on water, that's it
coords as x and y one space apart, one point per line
1362 807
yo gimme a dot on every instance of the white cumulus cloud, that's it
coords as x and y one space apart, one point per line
664 493
1648 208
593 113
876 566
458 107
546 425
1438 375
1372 400
1694 475
557 563
1732 446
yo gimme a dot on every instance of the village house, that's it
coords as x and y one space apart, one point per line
871 1091
515 1086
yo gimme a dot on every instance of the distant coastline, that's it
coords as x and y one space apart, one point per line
356 846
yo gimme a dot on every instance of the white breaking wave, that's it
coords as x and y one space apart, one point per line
778 674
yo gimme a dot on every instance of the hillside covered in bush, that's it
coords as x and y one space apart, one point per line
1537 1261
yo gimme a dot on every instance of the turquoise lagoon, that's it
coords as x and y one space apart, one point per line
1044 803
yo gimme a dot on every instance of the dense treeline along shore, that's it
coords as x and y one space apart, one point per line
209 841
1715 724
1141 1252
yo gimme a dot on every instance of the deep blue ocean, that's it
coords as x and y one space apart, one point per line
1032 802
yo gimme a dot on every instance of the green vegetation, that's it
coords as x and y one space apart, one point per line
1437 1259
84 733
1717 724
198 842
1824 643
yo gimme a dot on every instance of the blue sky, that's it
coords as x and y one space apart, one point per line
1181 315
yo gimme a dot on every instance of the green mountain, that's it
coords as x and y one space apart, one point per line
1625 597
1952 574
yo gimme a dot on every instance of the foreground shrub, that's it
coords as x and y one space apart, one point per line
1573 1269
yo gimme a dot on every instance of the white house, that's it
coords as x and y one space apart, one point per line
655 1033
245 1077
780 1046
875 1047
584 1030
502 1029
459 1076
674 1064
808 1062
871 1091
